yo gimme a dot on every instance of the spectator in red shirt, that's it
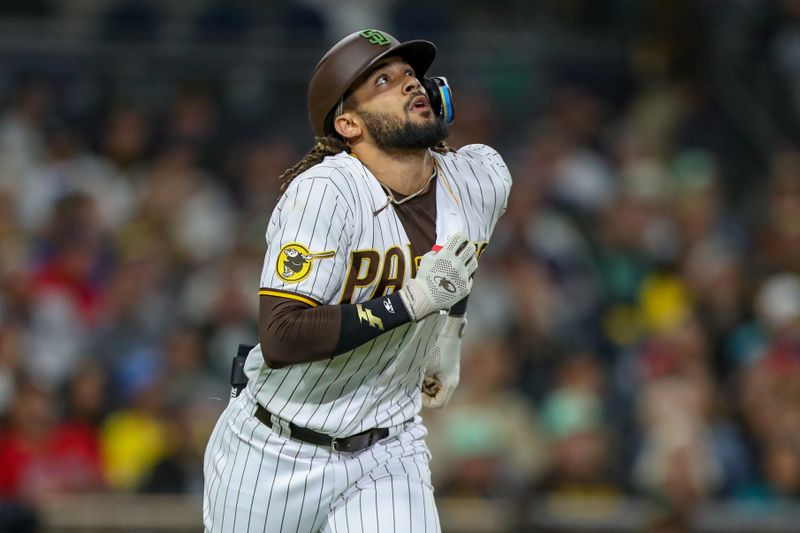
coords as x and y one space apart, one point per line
40 456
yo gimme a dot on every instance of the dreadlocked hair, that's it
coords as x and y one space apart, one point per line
323 147
332 145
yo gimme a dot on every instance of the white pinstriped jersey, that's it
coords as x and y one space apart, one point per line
327 245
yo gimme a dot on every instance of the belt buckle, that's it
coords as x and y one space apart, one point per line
334 442
348 444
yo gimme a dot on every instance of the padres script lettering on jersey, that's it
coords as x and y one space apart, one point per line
339 250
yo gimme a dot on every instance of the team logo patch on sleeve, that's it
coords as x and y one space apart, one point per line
295 261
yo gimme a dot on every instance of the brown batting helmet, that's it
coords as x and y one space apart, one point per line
351 58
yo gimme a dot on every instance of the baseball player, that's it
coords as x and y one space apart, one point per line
370 256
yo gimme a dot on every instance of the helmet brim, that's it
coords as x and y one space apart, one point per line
417 53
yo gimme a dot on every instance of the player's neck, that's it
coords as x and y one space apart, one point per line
403 172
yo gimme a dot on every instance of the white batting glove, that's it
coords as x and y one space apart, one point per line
444 364
443 278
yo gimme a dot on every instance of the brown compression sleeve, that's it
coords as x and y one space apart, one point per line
291 333
294 332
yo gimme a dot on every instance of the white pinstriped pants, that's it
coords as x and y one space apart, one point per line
258 481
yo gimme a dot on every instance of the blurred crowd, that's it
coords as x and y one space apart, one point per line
634 329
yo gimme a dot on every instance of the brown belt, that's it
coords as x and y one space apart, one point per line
351 444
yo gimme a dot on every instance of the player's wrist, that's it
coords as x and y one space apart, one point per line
416 302
362 322
459 309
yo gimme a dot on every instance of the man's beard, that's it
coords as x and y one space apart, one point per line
392 134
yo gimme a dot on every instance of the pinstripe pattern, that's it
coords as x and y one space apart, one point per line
392 493
282 485
258 480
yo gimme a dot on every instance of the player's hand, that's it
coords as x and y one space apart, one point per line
442 372
443 278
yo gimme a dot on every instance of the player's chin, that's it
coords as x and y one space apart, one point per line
419 120
425 115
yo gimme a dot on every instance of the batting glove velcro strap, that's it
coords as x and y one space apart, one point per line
443 278
442 372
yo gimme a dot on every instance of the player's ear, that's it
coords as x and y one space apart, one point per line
347 125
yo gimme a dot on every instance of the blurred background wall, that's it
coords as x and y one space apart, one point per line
633 353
